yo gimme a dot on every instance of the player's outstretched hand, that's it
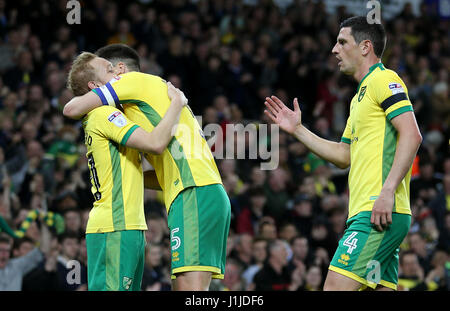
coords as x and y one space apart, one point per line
175 93
287 119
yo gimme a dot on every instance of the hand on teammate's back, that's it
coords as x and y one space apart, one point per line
175 93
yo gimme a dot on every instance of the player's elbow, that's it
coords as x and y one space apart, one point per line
418 138
70 112
343 165
155 148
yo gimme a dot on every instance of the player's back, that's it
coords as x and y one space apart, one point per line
116 173
187 161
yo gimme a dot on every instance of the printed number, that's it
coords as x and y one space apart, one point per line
350 242
94 177
374 274
175 239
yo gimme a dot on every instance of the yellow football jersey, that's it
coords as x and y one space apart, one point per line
116 172
381 96
187 161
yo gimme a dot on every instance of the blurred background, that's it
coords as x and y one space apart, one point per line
226 56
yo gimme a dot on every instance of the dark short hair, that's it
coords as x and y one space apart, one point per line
362 30
120 53
68 235
20 241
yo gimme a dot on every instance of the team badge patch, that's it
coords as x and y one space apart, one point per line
396 88
126 282
117 118
362 93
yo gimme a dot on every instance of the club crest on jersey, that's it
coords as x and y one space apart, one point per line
396 88
362 93
117 118
126 282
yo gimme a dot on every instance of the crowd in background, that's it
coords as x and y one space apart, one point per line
226 56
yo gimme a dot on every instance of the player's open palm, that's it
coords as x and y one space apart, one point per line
277 111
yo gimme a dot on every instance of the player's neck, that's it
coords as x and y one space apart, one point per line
364 69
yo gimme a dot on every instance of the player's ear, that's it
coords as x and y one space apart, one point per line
121 68
93 85
365 47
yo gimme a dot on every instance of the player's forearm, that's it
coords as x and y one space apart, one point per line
78 106
407 146
334 152
165 130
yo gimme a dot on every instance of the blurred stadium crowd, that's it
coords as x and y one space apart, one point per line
227 56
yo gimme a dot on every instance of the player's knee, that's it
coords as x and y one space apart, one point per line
338 282
193 281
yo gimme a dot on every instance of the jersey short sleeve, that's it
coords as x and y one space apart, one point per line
113 124
122 88
390 92
347 135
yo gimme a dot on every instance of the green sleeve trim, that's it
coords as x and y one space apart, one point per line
399 111
346 140
128 134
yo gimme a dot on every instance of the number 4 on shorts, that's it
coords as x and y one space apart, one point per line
350 242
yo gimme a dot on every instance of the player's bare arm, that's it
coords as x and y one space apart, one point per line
409 140
157 140
79 106
290 121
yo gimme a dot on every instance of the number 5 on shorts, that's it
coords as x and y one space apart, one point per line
350 242
175 239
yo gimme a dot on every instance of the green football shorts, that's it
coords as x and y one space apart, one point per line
115 260
369 256
199 222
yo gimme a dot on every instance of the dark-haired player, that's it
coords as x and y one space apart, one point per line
379 144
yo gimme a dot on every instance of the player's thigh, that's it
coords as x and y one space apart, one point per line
364 254
199 221
132 259
387 254
114 259
96 256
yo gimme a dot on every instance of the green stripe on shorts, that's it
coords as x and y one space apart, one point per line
112 268
191 236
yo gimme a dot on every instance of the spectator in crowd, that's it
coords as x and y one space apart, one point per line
13 269
274 275
412 275
155 277
259 255
233 279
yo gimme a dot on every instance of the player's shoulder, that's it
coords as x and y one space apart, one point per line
136 75
384 74
102 112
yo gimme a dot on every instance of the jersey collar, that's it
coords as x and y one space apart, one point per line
372 68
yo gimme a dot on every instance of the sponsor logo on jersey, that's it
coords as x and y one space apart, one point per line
117 118
344 259
396 88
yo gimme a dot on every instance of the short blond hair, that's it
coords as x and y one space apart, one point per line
81 73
